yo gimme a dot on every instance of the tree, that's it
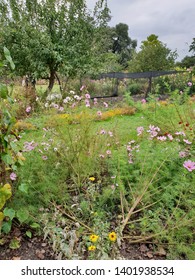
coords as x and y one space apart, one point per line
192 46
187 61
50 36
153 56
123 44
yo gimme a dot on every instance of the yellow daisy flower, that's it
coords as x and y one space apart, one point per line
112 236
93 238
92 248
92 179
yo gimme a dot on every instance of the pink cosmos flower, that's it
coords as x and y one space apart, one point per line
13 176
102 131
110 133
189 84
108 152
61 109
82 88
170 137
87 96
187 141
44 157
99 113
28 109
162 138
140 130
189 165
143 101
105 104
182 154
180 133
101 156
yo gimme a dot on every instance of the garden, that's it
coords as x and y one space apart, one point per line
96 178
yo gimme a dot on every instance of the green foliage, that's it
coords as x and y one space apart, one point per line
154 55
49 37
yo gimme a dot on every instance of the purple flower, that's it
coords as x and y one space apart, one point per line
189 165
82 88
102 131
13 176
28 109
140 130
108 152
182 154
189 84
187 141
44 157
99 113
87 96
143 101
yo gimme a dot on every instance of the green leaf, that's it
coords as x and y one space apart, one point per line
3 91
7 159
29 233
9 212
8 58
23 188
6 227
35 225
14 244
22 215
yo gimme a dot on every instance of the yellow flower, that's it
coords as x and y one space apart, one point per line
112 236
92 179
91 248
93 238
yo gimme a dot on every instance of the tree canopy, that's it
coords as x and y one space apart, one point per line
154 55
50 36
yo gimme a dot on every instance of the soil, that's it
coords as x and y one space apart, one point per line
37 248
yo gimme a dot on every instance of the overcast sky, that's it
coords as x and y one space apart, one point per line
172 20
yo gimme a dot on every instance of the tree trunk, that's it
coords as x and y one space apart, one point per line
58 79
51 81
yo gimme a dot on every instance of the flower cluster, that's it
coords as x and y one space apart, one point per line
131 147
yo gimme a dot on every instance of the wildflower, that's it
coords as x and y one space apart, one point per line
73 105
95 101
170 137
182 154
108 152
92 248
44 157
189 84
99 113
29 146
113 177
153 130
112 236
87 96
72 92
187 141
105 104
189 165
82 88
55 149
102 131
140 130
110 133
93 238
180 133
28 109
61 109
13 176
112 187
101 156
162 138
92 179
143 101
181 92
